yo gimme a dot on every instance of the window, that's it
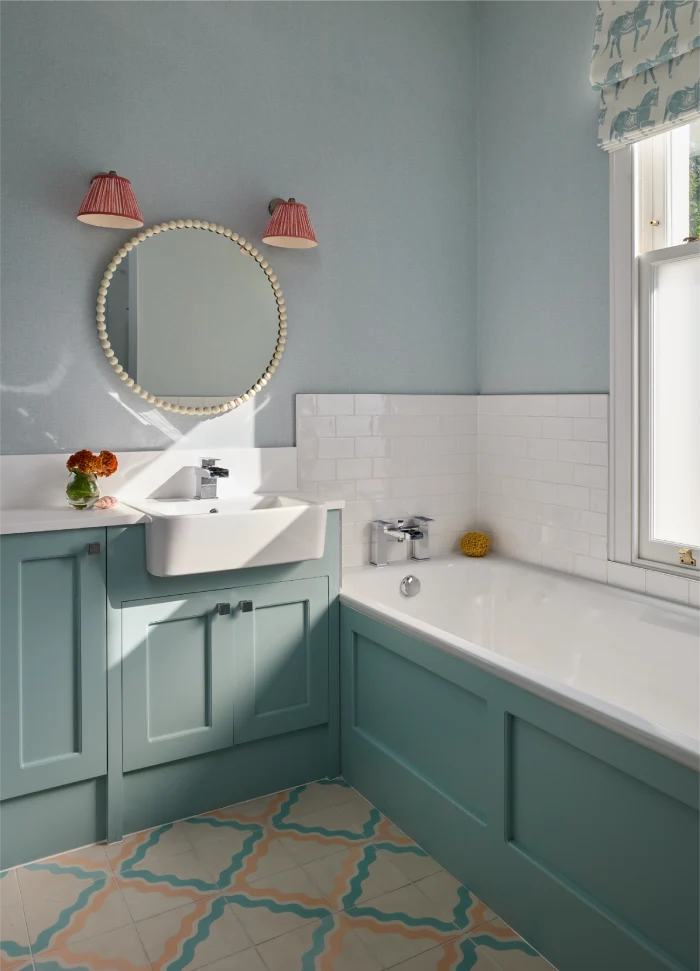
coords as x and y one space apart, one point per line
656 351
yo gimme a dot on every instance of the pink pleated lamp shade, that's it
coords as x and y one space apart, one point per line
290 226
110 202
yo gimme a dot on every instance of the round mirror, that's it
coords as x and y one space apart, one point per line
193 321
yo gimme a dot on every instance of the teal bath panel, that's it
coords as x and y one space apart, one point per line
586 842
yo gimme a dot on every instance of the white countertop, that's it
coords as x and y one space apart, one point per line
63 517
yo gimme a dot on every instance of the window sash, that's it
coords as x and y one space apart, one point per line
648 548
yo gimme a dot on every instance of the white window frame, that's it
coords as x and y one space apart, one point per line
624 465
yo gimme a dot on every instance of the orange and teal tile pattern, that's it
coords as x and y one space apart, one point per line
313 879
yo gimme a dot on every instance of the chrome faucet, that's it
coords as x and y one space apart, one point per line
414 530
207 476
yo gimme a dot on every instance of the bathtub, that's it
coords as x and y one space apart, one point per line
537 734
624 660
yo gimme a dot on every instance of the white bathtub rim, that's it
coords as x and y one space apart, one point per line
674 745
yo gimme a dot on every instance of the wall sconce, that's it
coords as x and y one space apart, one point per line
290 226
110 202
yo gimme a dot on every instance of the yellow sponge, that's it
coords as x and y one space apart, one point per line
475 544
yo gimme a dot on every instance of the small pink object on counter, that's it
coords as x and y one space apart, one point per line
106 502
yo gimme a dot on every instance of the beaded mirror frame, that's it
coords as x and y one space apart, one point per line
103 336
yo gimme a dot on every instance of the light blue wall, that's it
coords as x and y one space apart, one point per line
364 111
543 202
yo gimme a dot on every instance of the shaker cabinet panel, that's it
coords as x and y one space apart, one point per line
177 679
280 658
52 660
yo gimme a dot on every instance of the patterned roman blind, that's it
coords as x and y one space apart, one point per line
646 65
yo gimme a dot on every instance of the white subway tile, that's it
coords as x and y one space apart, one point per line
557 471
565 539
540 448
371 404
335 404
667 586
557 428
578 452
554 559
529 489
406 404
305 404
598 406
586 566
503 444
354 468
598 453
626 576
408 446
386 468
527 427
495 404
317 470
309 489
564 516
336 490
590 429
354 555
336 448
456 425
593 476
598 547
358 512
419 425
575 496
372 447
599 500
355 534
490 483
352 426
307 448
373 488
595 523
535 404
316 427
572 405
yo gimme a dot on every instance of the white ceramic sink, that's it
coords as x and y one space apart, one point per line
206 535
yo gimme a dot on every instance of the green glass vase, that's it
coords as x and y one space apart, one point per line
82 491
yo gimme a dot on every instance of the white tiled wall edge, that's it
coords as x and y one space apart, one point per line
543 479
391 456
531 470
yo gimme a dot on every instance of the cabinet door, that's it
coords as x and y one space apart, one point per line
280 658
53 719
177 667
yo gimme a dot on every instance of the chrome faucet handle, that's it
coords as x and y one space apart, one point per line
208 463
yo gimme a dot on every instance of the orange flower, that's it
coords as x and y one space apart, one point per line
84 461
109 463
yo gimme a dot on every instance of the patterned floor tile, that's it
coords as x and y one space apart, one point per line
248 960
467 910
153 881
14 939
356 875
509 952
192 936
69 898
252 855
459 954
119 950
415 864
277 904
325 945
400 924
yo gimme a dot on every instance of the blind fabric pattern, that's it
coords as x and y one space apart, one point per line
646 65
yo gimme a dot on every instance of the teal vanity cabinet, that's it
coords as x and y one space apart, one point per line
53 718
205 671
222 686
